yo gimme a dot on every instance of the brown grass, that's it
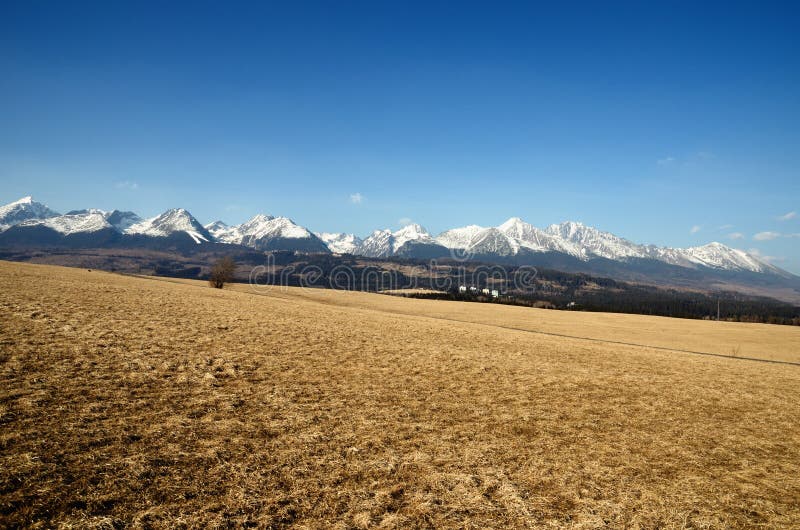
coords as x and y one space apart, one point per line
144 403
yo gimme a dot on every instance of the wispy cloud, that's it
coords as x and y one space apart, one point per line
404 221
769 259
687 160
356 198
766 236
725 227
736 235
704 155
695 229
787 216
126 185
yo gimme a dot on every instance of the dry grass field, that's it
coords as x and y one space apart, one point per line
149 403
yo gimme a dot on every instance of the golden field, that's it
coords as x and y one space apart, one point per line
155 403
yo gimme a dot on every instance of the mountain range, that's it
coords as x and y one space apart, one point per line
567 246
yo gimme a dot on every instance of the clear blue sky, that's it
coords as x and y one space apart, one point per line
675 125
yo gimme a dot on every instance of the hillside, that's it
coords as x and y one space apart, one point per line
553 287
153 402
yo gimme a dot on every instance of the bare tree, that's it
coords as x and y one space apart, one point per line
222 272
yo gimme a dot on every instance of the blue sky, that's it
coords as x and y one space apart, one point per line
675 125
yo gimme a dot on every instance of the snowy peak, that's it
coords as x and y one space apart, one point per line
718 256
514 224
519 229
173 221
258 224
267 227
121 220
223 233
512 238
75 222
494 241
379 244
570 230
586 243
594 242
265 232
23 209
88 220
532 238
412 232
385 243
216 225
341 243
459 238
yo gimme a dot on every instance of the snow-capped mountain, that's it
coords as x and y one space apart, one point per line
93 226
173 221
718 256
459 238
265 232
341 243
121 220
379 244
412 232
516 238
117 219
492 241
74 222
385 243
83 221
569 244
218 229
530 237
590 241
263 227
21 210
224 233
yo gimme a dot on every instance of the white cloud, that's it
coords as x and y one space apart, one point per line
687 160
695 229
736 235
356 198
725 227
766 236
404 221
769 259
787 216
126 185
705 155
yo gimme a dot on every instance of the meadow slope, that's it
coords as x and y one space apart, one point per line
147 403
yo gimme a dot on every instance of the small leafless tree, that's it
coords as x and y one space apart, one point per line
222 272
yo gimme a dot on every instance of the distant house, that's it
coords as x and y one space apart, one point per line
495 293
473 289
485 291
462 288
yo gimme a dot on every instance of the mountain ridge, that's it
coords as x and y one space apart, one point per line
512 239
